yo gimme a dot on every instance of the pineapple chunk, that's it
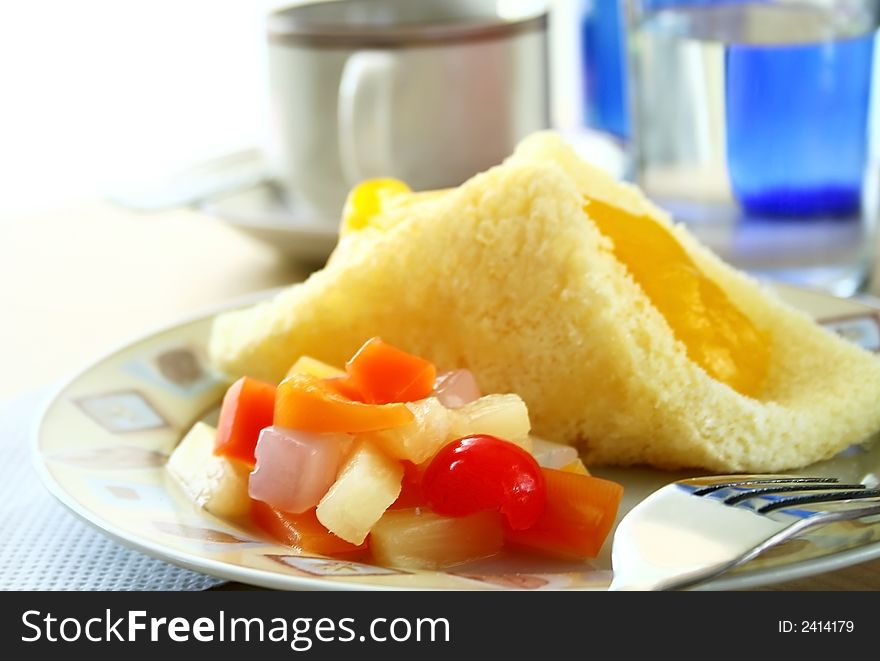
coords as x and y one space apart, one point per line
218 484
367 484
314 367
420 539
577 467
552 455
503 416
419 440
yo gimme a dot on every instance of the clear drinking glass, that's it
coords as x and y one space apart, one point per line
752 124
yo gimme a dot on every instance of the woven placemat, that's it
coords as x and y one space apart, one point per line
45 547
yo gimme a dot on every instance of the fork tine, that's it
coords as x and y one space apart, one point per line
828 497
756 493
765 480
671 540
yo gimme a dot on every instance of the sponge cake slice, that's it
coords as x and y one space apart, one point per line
508 276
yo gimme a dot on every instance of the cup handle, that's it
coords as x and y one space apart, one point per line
364 115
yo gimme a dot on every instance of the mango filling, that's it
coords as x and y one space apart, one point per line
717 335
366 201
369 199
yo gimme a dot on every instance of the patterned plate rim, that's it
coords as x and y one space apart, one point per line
197 562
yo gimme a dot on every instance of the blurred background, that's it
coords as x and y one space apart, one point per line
111 96
134 186
102 94
110 110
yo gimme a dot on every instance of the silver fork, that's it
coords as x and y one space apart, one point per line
693 530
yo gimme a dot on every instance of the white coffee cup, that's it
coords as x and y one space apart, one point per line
427 91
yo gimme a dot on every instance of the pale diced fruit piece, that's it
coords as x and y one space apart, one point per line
552 455
218 484
503 416
294 468
577 467
314 367
456 388
367 484
419 440
420 539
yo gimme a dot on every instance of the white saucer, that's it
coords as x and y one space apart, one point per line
259 211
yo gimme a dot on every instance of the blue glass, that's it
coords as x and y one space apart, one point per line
654 5
797 123
603 46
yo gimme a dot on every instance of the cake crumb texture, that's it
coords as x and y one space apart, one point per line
508 277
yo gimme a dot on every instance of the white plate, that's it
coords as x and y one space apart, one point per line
102 442
260 212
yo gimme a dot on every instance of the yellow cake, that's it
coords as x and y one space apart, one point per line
509 276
